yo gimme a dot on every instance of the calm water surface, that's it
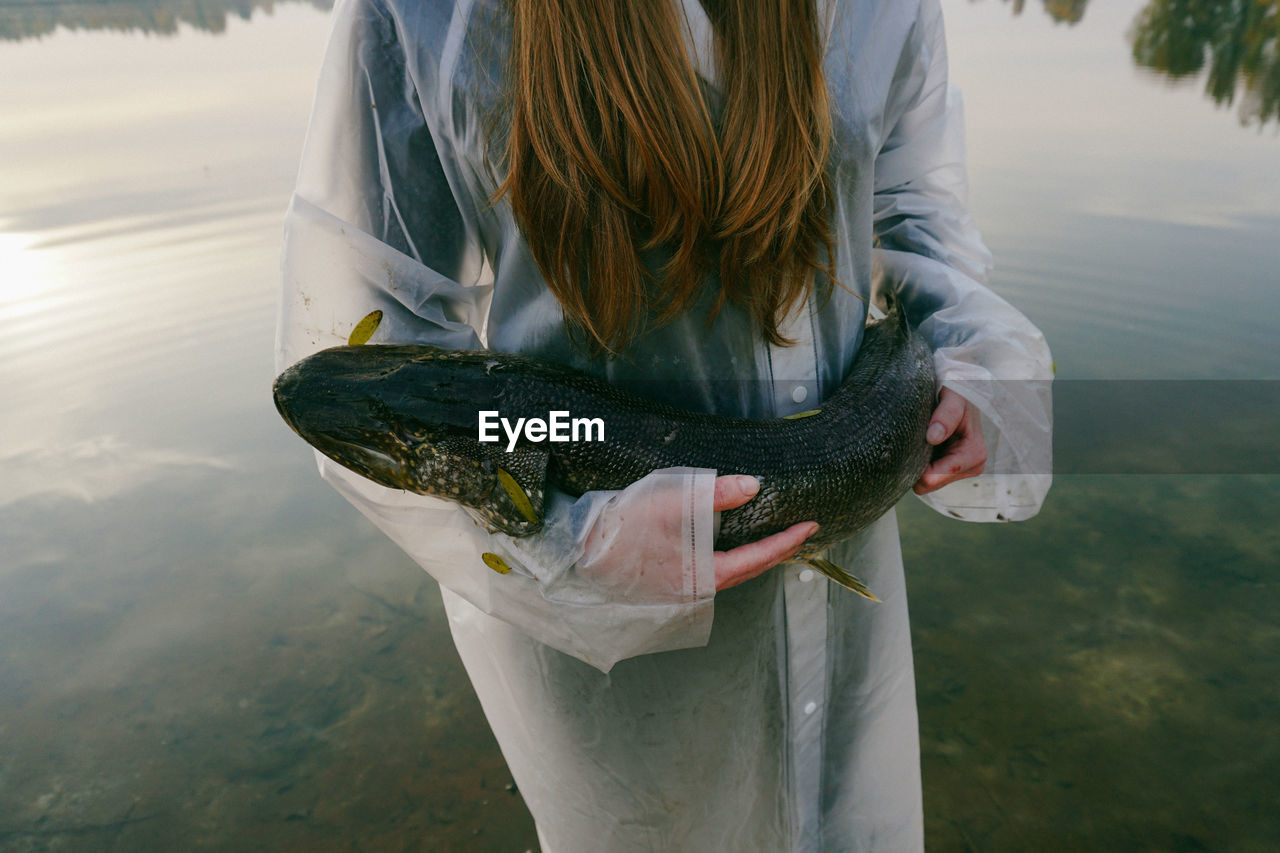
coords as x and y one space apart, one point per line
202 646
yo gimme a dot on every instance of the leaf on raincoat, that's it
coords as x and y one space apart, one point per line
496 563
364 329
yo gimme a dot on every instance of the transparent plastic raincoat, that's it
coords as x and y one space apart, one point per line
642 710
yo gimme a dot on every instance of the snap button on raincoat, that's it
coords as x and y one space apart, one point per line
641 710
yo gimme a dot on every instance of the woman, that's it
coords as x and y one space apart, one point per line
642 703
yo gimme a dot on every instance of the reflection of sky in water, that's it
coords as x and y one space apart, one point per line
1133 220
199 641
142 197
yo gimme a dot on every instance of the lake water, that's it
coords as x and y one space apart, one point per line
202 646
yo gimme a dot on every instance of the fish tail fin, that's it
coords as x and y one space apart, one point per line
895 313
839 575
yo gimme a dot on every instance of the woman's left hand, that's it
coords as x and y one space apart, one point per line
959 449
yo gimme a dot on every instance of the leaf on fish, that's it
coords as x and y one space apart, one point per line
518 496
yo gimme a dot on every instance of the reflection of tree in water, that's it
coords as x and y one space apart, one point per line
1239 41
1069 11
21 19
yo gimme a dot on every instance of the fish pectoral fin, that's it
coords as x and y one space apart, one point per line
839 575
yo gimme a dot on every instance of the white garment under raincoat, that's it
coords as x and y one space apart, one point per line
645 711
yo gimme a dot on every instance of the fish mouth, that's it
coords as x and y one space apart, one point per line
373 462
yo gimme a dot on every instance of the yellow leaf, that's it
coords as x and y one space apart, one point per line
364 329
495 562
518 496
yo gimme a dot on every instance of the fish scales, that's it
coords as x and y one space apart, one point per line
407 417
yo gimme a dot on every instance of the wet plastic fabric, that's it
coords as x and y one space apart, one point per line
638 708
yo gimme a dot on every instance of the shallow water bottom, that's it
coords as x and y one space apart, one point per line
1102 677
279 688
1105 676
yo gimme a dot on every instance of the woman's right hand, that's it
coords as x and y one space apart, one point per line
748 561
636 550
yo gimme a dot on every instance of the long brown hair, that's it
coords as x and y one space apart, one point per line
613 154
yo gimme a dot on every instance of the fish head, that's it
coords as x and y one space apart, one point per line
406 418
342 401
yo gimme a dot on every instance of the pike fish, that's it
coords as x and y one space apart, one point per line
408 417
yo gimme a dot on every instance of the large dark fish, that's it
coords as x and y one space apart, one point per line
408 417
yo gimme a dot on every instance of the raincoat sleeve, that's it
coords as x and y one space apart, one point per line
930 252
385 218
